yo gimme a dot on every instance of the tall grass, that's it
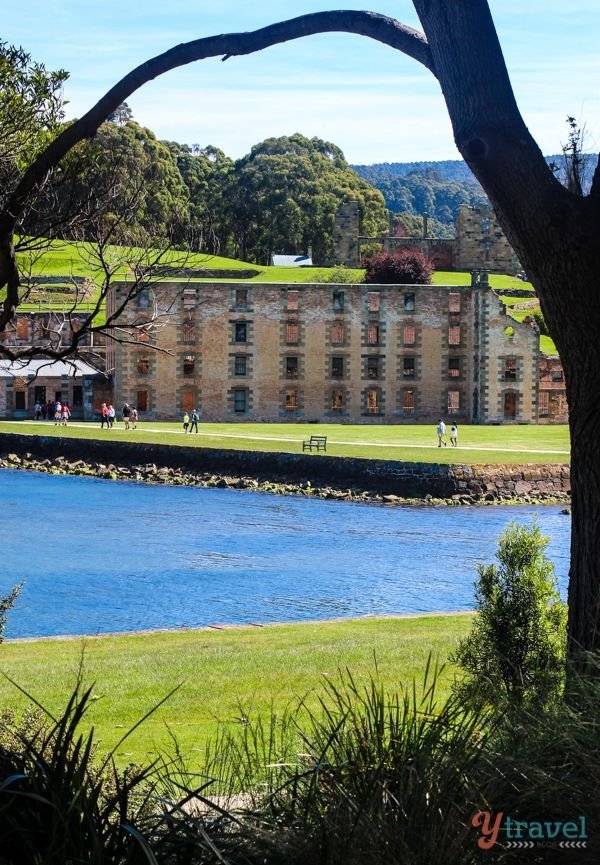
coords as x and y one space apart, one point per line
367 777
60 803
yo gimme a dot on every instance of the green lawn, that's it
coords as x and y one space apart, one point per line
410 443
222 672
64 258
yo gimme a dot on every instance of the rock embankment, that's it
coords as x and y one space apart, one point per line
379 481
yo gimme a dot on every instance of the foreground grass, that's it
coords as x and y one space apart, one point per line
223 674
410 443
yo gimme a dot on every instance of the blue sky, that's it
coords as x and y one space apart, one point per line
373 102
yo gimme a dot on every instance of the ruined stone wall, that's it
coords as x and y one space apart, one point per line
317 474
345 234
305 352
441 251
508 365
481 243
552 393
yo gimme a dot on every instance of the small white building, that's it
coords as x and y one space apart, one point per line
291 260
25 382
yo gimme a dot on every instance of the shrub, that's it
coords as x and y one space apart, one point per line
539 319
404 267
6 604
544 764
515 651
340 274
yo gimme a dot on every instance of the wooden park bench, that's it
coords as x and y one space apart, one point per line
318 443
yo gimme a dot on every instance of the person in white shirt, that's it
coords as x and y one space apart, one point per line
441 432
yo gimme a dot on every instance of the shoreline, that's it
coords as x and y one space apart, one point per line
275 484
237 626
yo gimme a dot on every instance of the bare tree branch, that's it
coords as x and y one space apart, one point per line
371 24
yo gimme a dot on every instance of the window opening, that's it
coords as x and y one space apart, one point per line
337 367
454 334
453 401
373 334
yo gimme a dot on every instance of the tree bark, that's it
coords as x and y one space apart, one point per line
556 235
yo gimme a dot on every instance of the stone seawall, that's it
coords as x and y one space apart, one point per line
334 477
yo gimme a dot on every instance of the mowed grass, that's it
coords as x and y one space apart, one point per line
225 675
64 258
409 443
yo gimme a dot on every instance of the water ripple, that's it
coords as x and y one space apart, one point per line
102 556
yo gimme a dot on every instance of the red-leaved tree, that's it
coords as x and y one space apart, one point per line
403 267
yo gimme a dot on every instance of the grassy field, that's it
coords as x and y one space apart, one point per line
64 259
224 674
410 443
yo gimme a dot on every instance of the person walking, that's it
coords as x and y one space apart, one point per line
111 416
454 435
104 416
126 415
57 413
186 421
66 414
134 417
441 433
37 411
194 420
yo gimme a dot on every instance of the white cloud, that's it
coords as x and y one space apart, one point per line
369 127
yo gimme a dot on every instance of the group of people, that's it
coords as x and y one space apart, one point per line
108 416
190 421
441 434
57 411
61 414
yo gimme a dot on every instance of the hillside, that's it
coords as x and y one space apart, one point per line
439 187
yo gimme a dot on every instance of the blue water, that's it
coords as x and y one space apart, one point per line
101 556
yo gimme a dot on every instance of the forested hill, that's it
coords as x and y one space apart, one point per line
449 169
438 187
414 187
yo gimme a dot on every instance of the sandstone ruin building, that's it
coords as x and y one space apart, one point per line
332 353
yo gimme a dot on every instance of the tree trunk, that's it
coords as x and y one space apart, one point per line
557 237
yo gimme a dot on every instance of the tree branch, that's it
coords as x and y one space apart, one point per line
370 24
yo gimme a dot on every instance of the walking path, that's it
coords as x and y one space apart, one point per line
331 441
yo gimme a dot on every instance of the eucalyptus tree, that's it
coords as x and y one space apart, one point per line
286 193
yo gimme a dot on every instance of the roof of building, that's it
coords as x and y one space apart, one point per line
32 367
291 260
